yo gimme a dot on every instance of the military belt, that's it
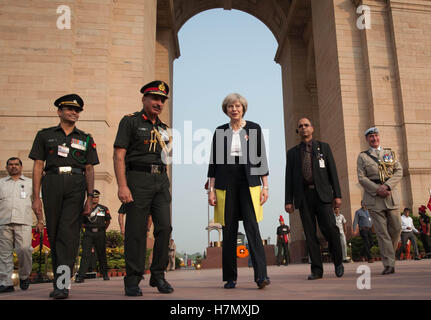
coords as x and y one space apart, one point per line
150 168
64 170
377 181
92 229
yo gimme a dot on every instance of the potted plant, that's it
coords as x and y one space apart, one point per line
375 252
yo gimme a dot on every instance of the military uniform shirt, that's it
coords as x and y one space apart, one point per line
134 134
101 215
282 231
58 150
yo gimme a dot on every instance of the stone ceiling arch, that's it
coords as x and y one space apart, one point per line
282 17
268 12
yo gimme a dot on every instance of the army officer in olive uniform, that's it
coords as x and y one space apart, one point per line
379 173
64 157
95 225
139 151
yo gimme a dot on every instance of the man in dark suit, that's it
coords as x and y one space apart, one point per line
312 186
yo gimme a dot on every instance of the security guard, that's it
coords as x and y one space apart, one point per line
64 157
283 238
379 173
141 145
95 226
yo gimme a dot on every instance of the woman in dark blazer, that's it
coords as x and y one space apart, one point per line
237 170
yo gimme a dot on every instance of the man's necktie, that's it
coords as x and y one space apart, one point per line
306 165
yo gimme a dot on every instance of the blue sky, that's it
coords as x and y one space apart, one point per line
223 52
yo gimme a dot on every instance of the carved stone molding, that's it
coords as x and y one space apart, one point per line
417 6
418 171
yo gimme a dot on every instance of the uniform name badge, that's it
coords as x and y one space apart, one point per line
63 151
321 163
23 194
78 144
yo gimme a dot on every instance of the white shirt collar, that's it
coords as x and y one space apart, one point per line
21 177
378 148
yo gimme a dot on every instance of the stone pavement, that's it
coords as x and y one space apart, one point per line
411 281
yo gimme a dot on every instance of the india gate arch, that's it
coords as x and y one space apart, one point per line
343 77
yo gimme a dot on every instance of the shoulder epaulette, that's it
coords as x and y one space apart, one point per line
131 114
49 128
164 124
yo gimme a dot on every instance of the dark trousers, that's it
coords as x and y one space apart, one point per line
151 195
239 206
282 252
63 199
312 207
367 240
426 242
405 236
98 240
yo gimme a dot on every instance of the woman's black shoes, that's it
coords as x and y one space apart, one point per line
230 284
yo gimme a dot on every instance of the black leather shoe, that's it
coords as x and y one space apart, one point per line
131 286
4 289
162 285
339 270
230 284
417 258
24 284
263 283
314 276
105 276
133 292
79 280
388 270
60 294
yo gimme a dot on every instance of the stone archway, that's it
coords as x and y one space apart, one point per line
332 72
343 77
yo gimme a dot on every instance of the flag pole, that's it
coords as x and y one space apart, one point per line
208 205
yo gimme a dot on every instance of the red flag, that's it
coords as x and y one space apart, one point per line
35 241
429 203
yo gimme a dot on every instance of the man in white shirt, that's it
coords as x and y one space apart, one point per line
341 224
407 229
15 225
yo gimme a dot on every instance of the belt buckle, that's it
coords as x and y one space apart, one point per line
155 168
94 229
65 170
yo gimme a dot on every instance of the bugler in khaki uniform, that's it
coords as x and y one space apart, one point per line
379 169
